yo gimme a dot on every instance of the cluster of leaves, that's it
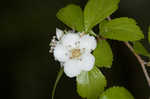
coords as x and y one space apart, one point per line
91 84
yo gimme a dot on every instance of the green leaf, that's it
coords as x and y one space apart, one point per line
91 84
97 10
72 16
116 93
149 34
103 54
60 73
139 49
123 29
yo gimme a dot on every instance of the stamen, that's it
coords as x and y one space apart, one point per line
53 44
75 53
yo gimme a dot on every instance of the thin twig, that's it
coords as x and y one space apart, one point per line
138 58
140 61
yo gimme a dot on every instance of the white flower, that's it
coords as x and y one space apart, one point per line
73 51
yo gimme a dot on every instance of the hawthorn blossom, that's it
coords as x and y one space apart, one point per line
73 51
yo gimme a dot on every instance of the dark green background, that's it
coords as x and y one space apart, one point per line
28 71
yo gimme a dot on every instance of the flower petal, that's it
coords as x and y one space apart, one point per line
88 42
59 33
87 61
61 53
70 40
72 68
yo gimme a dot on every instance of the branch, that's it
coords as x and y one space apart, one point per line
140 60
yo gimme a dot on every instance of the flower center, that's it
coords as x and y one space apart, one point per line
75 53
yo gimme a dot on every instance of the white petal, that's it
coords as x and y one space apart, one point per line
88 42
70 39
72 68
59 33
87 61
61 53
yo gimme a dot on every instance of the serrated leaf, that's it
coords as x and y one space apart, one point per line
123 29
116 93
91 84
97 10
103 54
72 16
140 49
149 34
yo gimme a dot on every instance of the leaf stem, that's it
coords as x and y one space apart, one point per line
92 33
60 73
138 58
